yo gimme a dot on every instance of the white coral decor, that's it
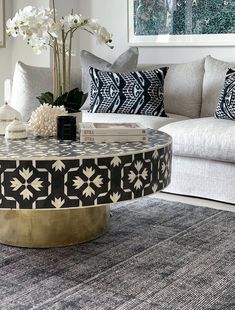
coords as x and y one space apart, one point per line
43 120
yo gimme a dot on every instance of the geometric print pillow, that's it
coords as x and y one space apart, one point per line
226 106
139 92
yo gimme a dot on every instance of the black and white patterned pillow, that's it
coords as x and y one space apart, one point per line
139 92
226 106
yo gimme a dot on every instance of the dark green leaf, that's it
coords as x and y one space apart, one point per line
46 98
72 100
75 100
60 100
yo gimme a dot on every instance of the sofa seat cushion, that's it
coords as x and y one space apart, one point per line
154 122
206 138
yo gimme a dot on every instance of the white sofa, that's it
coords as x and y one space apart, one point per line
203 147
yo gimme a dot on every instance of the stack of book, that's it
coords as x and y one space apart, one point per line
112 132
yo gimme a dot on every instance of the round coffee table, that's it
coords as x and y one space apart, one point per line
57 193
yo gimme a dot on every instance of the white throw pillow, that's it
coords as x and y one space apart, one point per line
124 63
182 87
28 83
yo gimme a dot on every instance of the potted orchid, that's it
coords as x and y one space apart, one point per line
41 28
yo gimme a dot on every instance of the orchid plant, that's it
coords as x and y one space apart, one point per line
42 29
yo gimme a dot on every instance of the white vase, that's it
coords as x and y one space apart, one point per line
78 116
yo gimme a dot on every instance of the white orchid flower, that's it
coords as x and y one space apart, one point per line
103 35
72 21
39 44
33 25
38 28
12 28
67 21
93 24
27 11
55 28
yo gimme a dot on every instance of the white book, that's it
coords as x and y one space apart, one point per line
112 129
112 139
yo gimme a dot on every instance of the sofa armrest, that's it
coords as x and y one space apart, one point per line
7 90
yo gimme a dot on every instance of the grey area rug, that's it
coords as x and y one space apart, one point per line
157 255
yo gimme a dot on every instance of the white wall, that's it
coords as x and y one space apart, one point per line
5 59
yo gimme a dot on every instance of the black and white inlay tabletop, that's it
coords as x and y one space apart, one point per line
42 173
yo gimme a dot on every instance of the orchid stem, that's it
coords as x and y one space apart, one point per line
54 10
59 72
63 63
55 60
70 59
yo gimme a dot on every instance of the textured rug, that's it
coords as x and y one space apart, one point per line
157 255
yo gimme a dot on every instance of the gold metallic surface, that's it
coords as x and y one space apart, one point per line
52 228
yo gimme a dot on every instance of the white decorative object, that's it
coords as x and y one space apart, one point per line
7 115
43 120
16 130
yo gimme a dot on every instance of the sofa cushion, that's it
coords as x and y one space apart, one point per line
226 107
154 122
140 92
215 72
183 87
28 83
207 138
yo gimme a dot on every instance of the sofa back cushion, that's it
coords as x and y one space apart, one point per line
28 83
183 87
215 73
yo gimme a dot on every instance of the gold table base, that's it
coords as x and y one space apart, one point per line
52 228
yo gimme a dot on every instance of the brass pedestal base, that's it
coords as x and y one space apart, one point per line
52 228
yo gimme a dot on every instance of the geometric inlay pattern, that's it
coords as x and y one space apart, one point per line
41 173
